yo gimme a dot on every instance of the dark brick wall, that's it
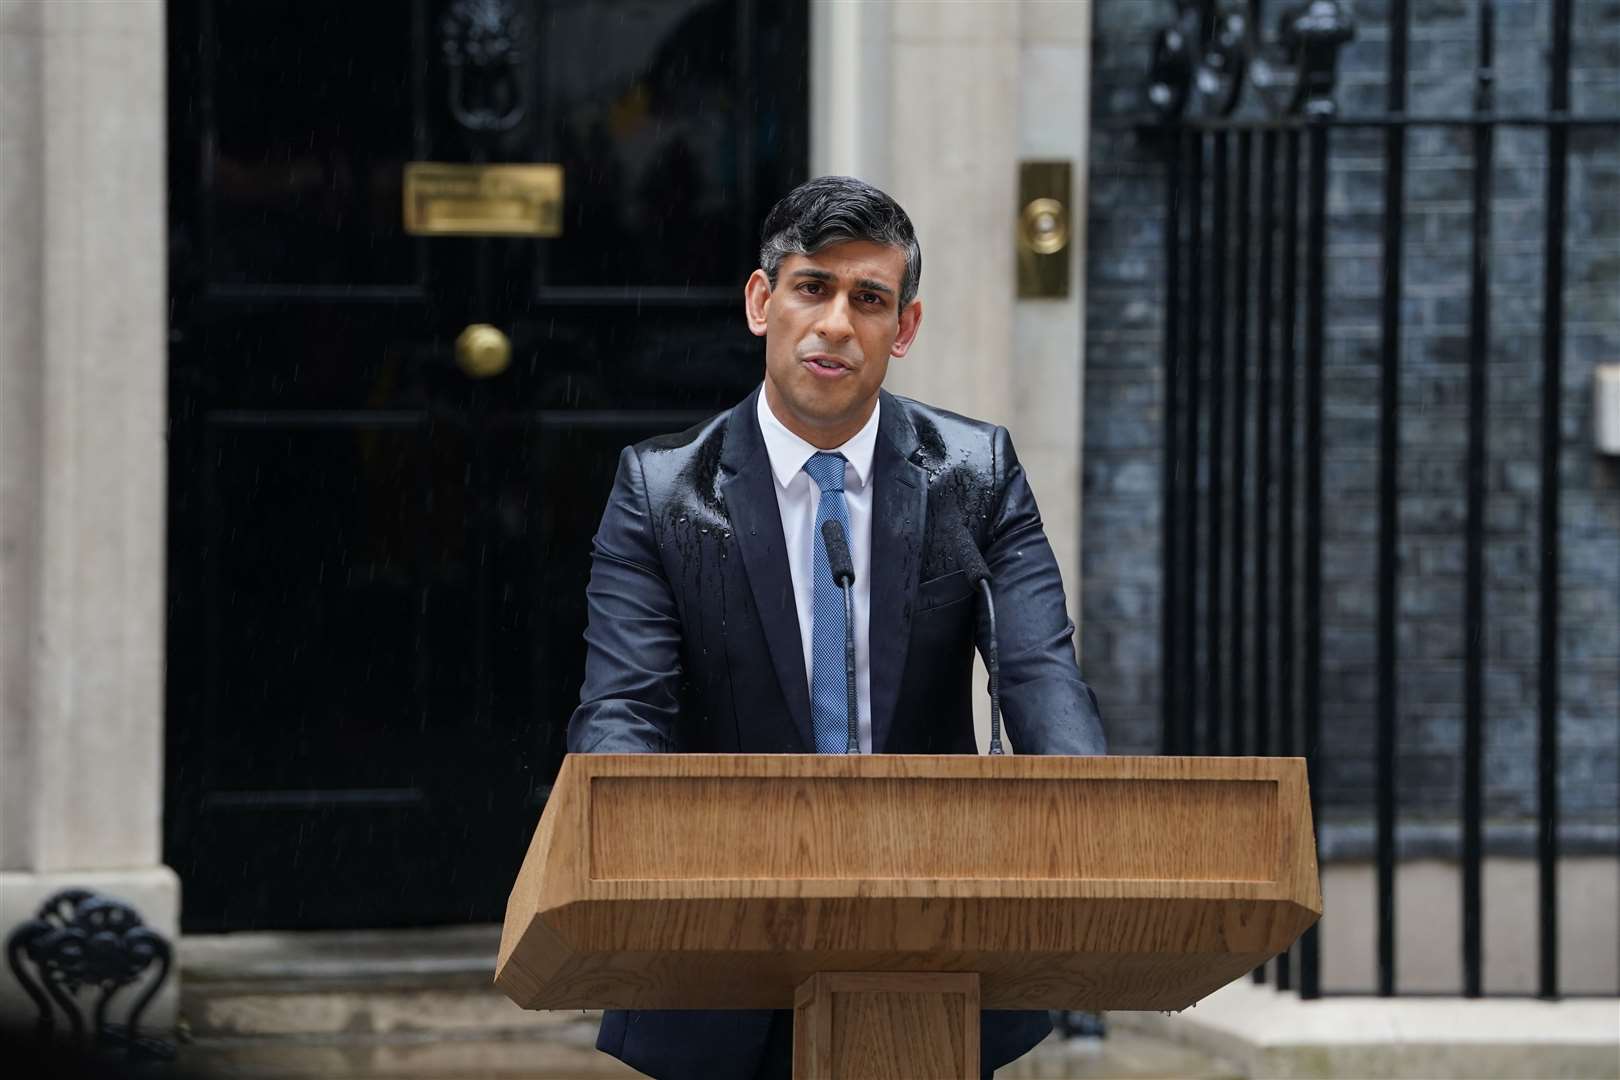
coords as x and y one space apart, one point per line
1124 402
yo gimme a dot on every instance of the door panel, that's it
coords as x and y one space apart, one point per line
307 122
647 110
377 563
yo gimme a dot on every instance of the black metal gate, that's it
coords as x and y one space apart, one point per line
1242 566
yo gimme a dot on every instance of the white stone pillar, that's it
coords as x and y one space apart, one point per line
953 144
83 369
849 90
936 102
1048 355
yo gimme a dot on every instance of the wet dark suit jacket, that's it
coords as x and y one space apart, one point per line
693 641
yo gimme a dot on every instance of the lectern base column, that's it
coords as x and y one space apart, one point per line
886 1026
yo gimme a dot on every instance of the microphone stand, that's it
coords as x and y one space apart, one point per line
842 568
992 661
854 744
979 574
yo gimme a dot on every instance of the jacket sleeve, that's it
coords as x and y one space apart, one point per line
1044 703
630 699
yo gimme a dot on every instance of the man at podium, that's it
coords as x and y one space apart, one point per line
736 560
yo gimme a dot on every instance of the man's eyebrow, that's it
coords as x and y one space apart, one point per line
826 275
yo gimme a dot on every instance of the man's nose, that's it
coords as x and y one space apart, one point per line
834 324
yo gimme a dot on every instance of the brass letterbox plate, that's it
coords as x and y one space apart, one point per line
445 199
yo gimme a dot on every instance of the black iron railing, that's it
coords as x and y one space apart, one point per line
1231 243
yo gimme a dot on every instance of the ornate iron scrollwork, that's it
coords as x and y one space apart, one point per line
1204 58
480 45
1313 35
81 939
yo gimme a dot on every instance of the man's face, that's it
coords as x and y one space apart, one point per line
830 327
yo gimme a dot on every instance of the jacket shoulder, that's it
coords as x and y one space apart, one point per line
968 463
919 411
681 470
948 440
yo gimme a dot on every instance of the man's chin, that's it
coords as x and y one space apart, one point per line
830 409
816 412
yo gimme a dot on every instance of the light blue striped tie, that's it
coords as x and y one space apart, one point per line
829 702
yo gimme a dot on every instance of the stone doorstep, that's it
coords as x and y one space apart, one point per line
350 985
409 1003
1273 1035
404 1059
335 957
568 1051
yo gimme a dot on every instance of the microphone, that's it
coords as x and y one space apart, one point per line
967 553
843 575
843 567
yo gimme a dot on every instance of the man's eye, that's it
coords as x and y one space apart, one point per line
871 298
810 287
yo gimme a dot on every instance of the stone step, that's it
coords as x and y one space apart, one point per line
382 1004
349 984
567 1051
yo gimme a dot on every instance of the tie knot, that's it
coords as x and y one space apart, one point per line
827 470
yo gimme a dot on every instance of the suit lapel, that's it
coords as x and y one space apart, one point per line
750 495
899 507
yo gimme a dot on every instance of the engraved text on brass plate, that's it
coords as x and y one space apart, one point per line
443 199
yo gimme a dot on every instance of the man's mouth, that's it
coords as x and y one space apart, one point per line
824 366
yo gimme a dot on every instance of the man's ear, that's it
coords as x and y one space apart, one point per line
910 323
756 298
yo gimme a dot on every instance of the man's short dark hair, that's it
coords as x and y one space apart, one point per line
834 210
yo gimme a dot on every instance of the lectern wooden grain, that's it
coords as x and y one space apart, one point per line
887 898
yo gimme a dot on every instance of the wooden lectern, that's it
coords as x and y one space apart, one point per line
887 898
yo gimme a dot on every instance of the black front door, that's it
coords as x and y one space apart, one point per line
377 557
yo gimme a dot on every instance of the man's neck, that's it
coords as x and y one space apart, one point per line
822 438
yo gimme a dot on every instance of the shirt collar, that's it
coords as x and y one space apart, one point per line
788 452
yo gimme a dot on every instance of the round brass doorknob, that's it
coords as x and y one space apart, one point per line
483 351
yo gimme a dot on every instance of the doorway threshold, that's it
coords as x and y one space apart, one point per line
344 983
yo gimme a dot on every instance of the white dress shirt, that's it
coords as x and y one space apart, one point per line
796 497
